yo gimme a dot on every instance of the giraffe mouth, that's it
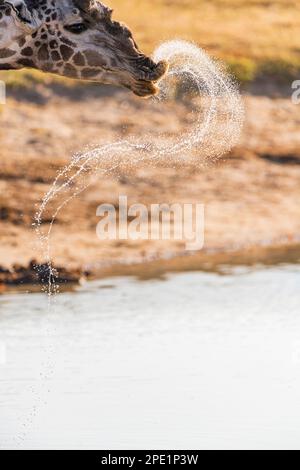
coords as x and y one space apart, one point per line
146 84
144 88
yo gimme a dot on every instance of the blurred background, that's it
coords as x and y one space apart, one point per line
251 195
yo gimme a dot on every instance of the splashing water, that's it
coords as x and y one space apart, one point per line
216 128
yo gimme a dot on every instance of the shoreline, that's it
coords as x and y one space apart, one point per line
221 262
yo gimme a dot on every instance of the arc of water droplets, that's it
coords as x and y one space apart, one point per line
215 130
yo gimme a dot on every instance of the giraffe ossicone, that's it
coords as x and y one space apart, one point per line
75 38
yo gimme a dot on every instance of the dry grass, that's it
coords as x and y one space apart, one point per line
254 29
252 36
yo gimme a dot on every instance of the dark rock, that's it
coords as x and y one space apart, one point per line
38 273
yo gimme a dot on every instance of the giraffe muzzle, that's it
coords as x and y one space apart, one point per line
147 83
146 69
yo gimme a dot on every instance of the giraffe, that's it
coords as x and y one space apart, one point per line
77 39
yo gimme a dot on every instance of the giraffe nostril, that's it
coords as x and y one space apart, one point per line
146 62
151 71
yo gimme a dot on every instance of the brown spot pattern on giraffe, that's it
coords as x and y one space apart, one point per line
66 52
43 53
89 73
78 59
4 53
94 59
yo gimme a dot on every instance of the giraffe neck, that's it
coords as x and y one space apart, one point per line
45 49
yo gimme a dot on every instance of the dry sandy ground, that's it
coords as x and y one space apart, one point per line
251 197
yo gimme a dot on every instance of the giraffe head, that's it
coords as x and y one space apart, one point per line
77 39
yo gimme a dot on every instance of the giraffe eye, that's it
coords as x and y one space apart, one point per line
76 28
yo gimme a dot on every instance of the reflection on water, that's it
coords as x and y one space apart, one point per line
194 361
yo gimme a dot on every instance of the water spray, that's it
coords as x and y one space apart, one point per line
215 130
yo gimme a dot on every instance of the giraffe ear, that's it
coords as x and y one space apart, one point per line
27 18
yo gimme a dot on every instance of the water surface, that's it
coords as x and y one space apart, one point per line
194 361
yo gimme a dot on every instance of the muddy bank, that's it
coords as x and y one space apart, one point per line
35 278
219 263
